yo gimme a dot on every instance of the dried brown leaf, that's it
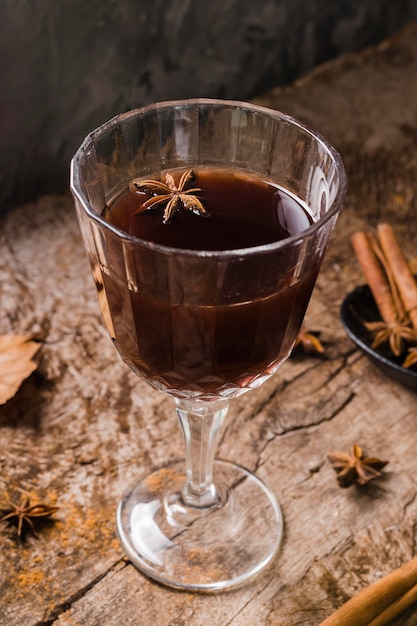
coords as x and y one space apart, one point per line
16 363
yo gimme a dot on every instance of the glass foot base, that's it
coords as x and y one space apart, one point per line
196 549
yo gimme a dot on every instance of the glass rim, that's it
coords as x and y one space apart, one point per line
76 188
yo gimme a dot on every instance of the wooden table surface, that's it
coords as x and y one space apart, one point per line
82 427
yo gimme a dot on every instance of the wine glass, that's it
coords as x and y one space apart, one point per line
204 325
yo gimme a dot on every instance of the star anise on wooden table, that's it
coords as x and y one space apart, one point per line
169 195
309 341
24 514
355 467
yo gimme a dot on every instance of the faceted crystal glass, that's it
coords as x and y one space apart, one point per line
176 318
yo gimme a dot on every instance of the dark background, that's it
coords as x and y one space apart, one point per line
66 66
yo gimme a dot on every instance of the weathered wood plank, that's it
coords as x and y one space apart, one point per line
82 427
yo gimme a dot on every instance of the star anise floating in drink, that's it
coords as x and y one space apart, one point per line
355 467
167 194
24 514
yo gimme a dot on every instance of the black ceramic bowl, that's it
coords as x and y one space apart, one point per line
359 307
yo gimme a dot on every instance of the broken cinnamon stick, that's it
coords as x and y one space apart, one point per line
390 596
375 276
403 277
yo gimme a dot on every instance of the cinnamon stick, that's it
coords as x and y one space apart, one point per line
390 595
396 608
375 276
403 277
396 297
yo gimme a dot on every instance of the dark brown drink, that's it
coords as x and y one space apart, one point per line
209 323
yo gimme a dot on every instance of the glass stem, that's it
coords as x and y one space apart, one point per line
201 424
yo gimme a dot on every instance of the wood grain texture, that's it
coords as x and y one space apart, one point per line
83 427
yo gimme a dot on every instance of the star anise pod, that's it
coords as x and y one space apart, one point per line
169 195
309 341
355 467
24 513
396 335
411 358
